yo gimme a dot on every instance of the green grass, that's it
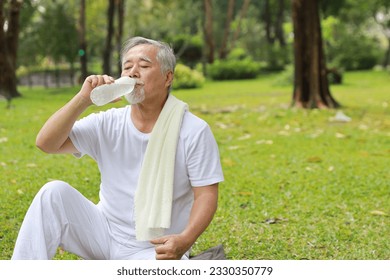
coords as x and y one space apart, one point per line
297 185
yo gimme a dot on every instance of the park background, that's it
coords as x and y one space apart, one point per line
296 93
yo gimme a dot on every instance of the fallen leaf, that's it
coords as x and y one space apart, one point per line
221 125
284 133
230 109
228 162
314 159
363 127
267 142
378 213
340 135
245 193
233 147
297 129
244 137
316 134
271 221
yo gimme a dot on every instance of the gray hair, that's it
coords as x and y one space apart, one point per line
165 55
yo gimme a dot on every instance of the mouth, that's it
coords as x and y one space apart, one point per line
139 83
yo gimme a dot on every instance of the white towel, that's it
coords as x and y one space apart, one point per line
154 194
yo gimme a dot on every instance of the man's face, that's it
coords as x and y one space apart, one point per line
140 63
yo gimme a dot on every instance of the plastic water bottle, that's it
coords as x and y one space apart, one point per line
104 94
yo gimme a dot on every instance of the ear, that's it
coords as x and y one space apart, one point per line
169 79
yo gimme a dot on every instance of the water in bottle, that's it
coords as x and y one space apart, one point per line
106 93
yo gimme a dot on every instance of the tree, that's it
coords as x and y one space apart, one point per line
82 42
113 32
59 46
382 17
208 30
110 32
311 86
243 11
119 33
273 21
229 16
9 36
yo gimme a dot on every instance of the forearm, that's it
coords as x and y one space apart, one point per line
173 247
54 135
203 210
55 131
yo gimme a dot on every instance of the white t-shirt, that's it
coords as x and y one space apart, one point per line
118 147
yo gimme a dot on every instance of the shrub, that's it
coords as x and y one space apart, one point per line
357 53
233 69
188 48
238 65
348 48
185 77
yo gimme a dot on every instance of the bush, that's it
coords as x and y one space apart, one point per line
286 77
188 48
357 53
185 77
348 48
233 69
238 65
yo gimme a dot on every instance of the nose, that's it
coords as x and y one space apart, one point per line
133 73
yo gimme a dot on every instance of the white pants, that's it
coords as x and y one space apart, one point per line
61 216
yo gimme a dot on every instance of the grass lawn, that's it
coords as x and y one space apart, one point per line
297 184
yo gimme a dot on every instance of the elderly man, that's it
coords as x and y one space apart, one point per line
158 190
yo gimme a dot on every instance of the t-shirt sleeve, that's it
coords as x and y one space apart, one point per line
203 159
84 136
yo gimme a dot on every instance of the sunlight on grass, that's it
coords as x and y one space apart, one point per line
298 185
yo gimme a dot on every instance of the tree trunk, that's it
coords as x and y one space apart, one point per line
208 30
229 16
71 73
8 49
267 17
279 33
110 32
83 43
121 15
311 87
243 12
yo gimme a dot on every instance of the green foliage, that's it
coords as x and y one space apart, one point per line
277 57
356 53
188 48
286 77
233 69
57 34
238 65
348 48
298 185
185 77
238 54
